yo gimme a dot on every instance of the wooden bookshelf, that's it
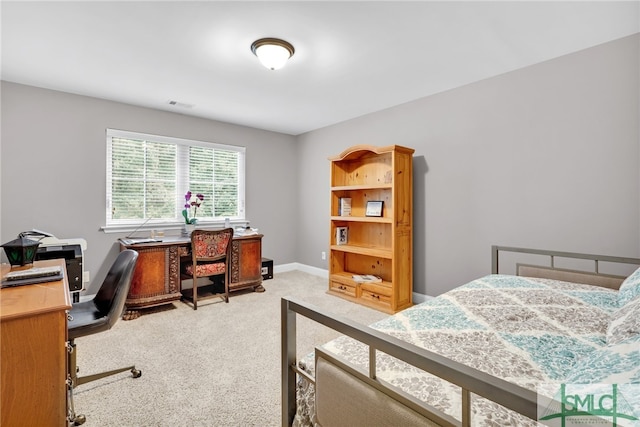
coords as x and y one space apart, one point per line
377 245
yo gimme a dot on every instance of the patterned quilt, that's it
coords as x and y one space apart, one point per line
525 331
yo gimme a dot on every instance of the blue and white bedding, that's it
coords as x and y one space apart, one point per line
526 331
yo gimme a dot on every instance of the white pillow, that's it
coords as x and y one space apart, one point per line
624 323
629 289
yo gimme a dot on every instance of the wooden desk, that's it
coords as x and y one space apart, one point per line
156 279
33 354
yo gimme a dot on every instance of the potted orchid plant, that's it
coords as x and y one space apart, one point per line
191 205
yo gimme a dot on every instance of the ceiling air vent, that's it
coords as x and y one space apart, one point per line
180 104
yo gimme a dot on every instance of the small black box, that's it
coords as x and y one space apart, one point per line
267 268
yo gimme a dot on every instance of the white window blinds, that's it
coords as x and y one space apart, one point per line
214 173
148 177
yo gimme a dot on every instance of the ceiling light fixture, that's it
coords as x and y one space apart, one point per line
272 53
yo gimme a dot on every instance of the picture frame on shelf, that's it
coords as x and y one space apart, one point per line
342 235
374 208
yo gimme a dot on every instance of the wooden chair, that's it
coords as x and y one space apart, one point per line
211 255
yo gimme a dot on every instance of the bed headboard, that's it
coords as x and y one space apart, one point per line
591 276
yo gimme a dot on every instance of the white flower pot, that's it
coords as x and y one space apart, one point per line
188 229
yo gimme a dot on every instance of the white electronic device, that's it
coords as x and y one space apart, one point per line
71 250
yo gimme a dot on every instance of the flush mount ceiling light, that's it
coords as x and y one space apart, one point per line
272 53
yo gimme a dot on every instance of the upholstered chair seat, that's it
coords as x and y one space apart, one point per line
204 270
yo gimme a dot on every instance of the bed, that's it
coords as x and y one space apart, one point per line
492 352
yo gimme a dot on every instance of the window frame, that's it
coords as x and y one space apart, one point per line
182 182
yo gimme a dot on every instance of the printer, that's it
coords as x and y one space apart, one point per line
71 250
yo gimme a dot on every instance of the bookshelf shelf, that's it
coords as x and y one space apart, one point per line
363 250
361 187
373 219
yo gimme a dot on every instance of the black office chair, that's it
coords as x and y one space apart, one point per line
99 315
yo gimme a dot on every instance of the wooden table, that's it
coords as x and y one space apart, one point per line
33 354
156 279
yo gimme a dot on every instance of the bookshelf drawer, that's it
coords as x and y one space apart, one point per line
342 288
376 288
377 298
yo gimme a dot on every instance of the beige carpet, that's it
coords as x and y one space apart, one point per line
217 366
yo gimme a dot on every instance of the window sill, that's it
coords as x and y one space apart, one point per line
149 227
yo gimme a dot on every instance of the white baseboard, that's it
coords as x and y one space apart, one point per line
321 272
419 298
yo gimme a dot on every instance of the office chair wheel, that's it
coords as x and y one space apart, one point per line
79 420
136 373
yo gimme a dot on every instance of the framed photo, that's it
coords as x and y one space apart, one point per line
342 235
374 208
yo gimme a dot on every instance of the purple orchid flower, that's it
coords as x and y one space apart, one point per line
195 204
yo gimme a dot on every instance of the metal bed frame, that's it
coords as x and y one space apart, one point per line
468 379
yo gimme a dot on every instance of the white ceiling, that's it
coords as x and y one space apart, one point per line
352 58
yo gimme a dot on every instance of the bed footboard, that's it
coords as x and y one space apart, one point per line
347 397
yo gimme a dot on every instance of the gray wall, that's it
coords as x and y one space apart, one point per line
54 168
545 157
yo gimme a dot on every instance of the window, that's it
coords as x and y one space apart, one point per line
148 177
